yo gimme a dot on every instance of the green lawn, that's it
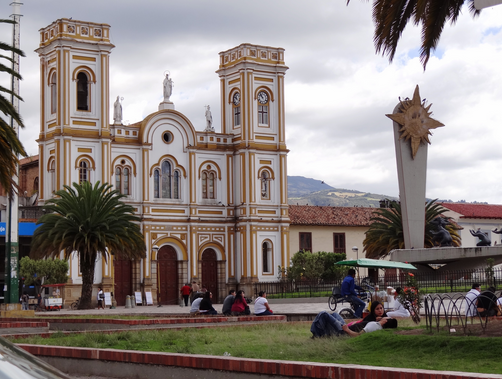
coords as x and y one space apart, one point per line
291 341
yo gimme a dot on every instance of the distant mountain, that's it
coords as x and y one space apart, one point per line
300 185
309 191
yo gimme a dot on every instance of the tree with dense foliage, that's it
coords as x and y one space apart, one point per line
10 146
89 221
315 266
386 230
391 17
43 271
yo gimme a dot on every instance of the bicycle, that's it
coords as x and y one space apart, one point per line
75 304
337 298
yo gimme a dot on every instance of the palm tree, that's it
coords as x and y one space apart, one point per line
392 16
386 230
10 146
89 221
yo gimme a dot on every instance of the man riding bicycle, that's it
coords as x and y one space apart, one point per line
349 290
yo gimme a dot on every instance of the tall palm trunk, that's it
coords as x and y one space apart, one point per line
87 264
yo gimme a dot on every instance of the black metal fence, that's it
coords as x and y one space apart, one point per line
429 282
291 289
30 213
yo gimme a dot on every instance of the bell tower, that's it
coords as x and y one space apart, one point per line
253 111
74 140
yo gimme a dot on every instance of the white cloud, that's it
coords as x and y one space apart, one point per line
337 90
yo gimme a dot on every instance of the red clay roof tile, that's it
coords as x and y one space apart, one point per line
334 216
475 210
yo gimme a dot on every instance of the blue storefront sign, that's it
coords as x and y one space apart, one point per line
26 229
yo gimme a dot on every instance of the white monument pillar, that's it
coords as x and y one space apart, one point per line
412 126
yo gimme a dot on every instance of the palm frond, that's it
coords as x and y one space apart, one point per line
391 17
386 230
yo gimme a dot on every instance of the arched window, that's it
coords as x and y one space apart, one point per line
52 175
236 109
82 92
83 169
265 185
156 177
211 185
208 184
125 186
176 185
35 184
266 256
263 108
166 182
122 178
118 178
204 185
54 93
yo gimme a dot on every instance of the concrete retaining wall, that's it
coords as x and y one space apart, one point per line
133 364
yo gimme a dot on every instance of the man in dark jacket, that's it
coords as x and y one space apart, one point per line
487 303
349 290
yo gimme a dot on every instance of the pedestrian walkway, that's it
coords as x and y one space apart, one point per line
277 306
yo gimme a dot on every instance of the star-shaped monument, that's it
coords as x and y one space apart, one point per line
416 122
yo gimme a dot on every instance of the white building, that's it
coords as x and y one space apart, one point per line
213 205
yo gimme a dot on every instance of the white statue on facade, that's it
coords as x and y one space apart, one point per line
168 87
209 120
117 111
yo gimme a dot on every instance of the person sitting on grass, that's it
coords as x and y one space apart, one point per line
471 299
240 307
327 325
487 303
206 305
399 309
499 306
376 320
196 304
228 302
261 307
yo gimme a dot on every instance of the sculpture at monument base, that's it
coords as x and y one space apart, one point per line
441 236
484 240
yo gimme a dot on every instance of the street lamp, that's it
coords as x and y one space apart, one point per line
356 250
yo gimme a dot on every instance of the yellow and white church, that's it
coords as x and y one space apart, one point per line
213 206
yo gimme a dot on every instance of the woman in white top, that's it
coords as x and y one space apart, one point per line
261 307
399 309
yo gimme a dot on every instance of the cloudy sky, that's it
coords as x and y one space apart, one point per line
337 90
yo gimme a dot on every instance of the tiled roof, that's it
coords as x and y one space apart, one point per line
334 216
475 210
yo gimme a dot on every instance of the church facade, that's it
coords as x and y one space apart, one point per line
213 206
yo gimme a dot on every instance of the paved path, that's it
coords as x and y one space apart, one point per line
276 306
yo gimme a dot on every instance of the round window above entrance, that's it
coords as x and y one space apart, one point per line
167 137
